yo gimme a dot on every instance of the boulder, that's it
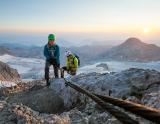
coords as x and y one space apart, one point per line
104 66
133 84
13 113
8 74
41 99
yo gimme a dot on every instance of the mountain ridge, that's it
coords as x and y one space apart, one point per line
7 73
133 49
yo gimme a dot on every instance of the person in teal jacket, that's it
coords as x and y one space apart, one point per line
52 54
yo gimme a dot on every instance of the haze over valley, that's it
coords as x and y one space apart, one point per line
30 61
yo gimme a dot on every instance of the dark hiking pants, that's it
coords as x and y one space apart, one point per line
71 72
55 67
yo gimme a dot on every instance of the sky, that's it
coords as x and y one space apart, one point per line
79 21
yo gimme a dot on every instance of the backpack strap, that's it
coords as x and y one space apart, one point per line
73 58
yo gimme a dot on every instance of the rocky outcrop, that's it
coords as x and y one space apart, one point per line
133 49
7 73
132 83
20 114
103 65
137 85
39 98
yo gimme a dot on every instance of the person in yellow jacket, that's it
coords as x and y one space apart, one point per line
71 64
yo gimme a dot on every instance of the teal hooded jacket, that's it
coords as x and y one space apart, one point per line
52 52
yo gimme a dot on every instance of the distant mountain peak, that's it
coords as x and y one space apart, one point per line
134 49
132 41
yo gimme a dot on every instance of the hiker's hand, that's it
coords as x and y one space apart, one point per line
58 65
53 59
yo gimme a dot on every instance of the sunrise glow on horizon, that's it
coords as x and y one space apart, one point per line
117 18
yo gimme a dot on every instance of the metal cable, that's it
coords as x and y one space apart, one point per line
121 116
138 109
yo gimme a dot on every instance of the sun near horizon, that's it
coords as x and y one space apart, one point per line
146 30
85 19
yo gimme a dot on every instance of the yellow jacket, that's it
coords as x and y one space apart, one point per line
72 63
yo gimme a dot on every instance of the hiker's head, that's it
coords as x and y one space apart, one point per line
68 53
51 39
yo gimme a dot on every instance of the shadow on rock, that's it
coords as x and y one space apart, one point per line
41 99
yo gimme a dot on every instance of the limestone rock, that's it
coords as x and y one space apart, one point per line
103 65
7 73
20 114
137 85
42 100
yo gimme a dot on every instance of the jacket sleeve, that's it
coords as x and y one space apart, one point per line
67 64
58 54
45 52
76 62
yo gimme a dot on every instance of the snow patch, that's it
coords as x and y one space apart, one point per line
91 68
23 65
7 84
31 68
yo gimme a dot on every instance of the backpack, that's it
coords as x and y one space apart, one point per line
77 58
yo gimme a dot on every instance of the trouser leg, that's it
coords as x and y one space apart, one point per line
55 70
62 73
47 65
